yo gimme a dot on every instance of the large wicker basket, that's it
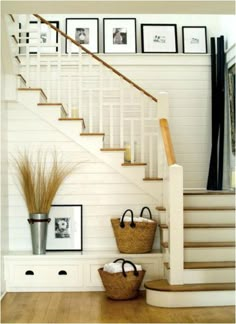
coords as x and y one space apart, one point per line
122 285
134 237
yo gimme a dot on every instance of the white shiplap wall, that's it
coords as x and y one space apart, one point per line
186 78
102 191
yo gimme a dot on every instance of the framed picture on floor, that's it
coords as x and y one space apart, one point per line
194 39
119 35
84 31
45 35
159 38
65 228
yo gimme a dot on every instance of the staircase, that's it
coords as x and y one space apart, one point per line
197 227
209 253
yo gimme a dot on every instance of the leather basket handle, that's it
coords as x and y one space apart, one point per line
150 213
122 223
123 268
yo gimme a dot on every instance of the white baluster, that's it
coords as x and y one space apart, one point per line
132 144
111 126
59 69
90 111
101 86
121 113
80 83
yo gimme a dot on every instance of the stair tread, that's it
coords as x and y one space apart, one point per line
206 265
70 119
163 285
133 164
152 179
203 225
160 208
50 104
92 134
203 244
110 149
209 192
33 89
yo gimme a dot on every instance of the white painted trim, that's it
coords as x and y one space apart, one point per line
190 298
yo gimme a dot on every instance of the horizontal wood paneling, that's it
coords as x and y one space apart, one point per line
103 192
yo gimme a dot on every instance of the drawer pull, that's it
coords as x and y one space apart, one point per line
29 273
62 273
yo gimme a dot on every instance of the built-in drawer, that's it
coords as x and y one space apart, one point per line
46 276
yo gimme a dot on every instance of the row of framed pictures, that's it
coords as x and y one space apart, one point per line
119 36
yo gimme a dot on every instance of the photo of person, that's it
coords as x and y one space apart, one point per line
43 38
62 227
119 36
82 35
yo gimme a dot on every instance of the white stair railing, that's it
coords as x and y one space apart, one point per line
108 101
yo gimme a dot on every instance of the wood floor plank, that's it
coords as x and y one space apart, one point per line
95 307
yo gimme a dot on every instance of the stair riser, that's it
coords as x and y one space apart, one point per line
209 201
198 276
74 128
203 217
204 234
209 254
31 98
190 298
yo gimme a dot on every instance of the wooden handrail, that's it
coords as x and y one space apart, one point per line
95 57
165 131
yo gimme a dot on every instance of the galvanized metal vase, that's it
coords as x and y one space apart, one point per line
39 225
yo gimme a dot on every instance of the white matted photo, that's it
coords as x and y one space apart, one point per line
42 38
65 228
119 35
84 31
159 38
194 39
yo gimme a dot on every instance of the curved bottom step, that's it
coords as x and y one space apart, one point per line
161 294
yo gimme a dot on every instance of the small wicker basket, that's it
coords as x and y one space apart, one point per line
122 285
134 237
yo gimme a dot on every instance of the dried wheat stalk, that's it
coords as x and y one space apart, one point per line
38 182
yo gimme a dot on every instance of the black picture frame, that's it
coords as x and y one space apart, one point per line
119 35
53 34
194 39
65 230
159 38
88 28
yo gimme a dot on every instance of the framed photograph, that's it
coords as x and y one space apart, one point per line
194 39
159 38
65 228
84 31
47 36
119 35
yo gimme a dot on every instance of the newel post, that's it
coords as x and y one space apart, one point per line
162 112
176 230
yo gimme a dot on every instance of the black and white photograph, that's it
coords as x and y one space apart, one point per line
119 35
62 227
84 31
44 35
194 39
159 38
65 228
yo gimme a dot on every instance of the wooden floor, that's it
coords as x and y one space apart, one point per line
94 307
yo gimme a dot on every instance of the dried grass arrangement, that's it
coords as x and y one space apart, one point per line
40 180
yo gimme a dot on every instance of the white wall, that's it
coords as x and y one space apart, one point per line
103 192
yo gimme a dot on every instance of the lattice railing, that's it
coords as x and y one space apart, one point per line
108 101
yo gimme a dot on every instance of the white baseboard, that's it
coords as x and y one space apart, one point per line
2 295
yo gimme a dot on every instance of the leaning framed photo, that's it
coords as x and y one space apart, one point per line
159 38
47 36
194 39
119 35
65 229
84 31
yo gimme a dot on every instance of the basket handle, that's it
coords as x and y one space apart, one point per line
122 223
150 213
123 268
120 259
